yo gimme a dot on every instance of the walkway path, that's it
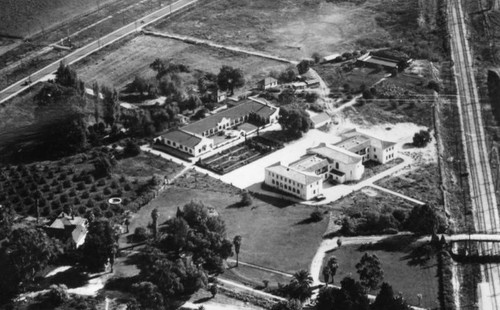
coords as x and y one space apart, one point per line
398 194
193 40
249 289
261 268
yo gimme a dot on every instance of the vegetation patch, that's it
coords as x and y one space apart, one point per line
410 280
422 184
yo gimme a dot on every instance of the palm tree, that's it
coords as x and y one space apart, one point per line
154 216
300 286
333 266
237 244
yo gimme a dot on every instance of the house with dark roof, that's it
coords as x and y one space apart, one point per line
196 138
268 82
68 228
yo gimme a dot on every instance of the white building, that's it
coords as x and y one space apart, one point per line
268 82
305 185
371 148
343 165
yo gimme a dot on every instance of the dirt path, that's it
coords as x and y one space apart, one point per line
193 40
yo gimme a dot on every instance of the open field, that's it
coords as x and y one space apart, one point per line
272 235
118 66
24 17
288 28
422 184
410 280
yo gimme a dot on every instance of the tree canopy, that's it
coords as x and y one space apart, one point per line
230 78
26 251
425 220
99 245
294 120
370 271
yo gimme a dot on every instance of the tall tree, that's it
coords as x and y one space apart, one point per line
370 271
111 105
237 245
154 217
230 78
98 246
66 76
294 120
303 66
300 286
386 300
425 220
332 267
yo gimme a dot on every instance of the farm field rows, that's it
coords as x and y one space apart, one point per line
118 66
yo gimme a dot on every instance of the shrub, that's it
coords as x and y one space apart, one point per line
103 206
59 189
80 186
93 188
98 197
72 192
67 184
434 86
63 176
140 234
90 203
82 210
101 182
131 149
28 201
317 216
89 179
109 214
421 138
114 185
76 201
106 191
85 195
64 198
55 205
127 187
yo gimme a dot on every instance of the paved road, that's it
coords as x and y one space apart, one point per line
82 52
482 192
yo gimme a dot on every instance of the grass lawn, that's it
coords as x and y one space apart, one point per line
410 280
271 234
422 184
373 168
117 65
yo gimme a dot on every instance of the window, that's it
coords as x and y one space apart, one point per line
375 156
314 191
286 187
374 149
168 142
273 182
337 166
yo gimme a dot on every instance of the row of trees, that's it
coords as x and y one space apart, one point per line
422 219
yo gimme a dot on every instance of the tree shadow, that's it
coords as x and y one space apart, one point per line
72 278
202 300
236 205
306 221
397 243
123 284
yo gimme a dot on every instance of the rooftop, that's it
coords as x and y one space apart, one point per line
309 163
182 137
376 142
333 152
355 143
268 80
320 118
294 174
245 108
379 61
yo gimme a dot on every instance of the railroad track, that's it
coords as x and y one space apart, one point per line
482 191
